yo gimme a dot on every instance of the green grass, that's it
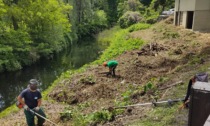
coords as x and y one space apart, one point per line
170 115
165 115
139 26
107 34
120 41
9 110
159 116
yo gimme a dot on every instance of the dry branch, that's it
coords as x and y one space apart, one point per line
171 85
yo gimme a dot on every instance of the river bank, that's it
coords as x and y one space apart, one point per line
48 70
149 61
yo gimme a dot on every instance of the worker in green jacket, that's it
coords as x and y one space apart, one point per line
112 64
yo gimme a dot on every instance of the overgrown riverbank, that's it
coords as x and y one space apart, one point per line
149 61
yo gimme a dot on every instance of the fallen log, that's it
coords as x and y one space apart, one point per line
171 85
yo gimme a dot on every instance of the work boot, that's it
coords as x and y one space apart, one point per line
108 74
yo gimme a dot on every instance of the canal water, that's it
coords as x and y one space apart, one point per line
47 70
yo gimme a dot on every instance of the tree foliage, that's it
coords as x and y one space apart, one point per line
149 10
30 29
87 12
129 5
161 5
146 2
89 16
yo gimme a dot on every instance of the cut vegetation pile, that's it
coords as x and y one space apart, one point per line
170 54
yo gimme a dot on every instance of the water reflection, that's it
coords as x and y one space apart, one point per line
1 102
47 70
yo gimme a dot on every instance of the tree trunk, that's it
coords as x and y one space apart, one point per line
79 10
15 25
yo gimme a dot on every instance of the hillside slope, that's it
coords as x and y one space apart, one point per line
170 55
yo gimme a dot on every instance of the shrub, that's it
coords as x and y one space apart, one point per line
139 26
66 115
13 65
151 16
88 80
171 34
129 18
101 116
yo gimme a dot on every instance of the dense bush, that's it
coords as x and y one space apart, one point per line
151 16
93 25
119 43
129 18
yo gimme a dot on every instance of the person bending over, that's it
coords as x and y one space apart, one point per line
112 64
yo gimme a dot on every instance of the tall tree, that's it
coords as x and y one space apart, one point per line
146 2
161 5
90 17
30 29
112 11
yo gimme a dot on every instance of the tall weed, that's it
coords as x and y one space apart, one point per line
119 43
139 26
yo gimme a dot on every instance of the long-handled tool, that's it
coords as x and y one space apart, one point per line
170 102
103 73
20 106
42 117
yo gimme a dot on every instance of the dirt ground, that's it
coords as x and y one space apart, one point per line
168 49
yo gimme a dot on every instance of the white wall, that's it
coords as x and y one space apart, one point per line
191 5
184 20
202 5
185 5
176 5
201 8
201 21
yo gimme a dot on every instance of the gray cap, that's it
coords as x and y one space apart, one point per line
33 81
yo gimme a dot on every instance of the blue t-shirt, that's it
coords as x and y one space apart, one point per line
31 98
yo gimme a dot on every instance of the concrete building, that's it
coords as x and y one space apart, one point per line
193 14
